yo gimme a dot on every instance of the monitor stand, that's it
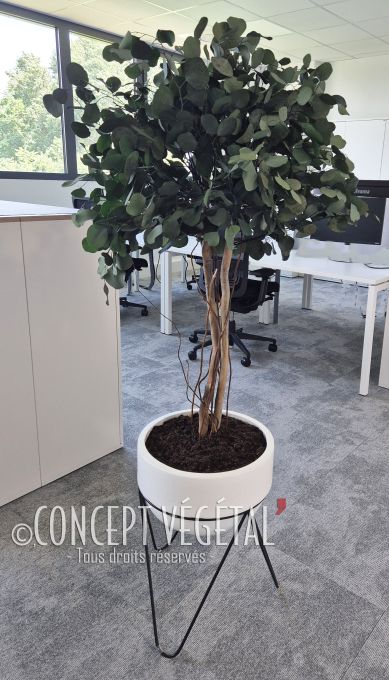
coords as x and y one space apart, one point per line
341 258
376 266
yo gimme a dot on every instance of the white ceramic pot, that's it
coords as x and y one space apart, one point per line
209 496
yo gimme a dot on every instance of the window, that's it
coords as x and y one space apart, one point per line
31 139
87 50
34 49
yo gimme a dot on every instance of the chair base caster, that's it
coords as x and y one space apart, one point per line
192 355
193 338
272 347
245 362
144 312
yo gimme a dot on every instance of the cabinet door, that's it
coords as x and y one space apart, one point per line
19 459
75 348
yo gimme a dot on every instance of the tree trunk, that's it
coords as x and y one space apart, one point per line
225 304
210 415
205 412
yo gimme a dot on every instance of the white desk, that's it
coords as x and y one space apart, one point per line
376 280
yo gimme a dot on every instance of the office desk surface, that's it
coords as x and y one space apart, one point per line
312 266
323 267
10 210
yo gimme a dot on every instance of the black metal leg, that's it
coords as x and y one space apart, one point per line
162 547
238 342
266 556
152 272
150 528
199 608
262 338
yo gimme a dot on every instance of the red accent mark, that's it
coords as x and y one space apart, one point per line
281 505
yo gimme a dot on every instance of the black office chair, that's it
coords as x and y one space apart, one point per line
247 296
194 279
138 264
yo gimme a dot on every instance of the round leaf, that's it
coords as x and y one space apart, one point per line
304 95
191 47
136 204
222 66
60 94
186 141
52 105
80 130
166 37
200 28
209 123
113 83
76 74
163 100
323 71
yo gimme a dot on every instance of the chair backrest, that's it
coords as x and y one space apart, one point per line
82 203
238 275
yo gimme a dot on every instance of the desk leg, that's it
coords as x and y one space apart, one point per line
276 298
265 315
307 292
136 275
183 268
166 293
383 380
368 340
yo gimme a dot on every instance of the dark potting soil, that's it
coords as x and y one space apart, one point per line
176 443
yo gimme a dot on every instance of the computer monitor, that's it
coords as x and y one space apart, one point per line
370 230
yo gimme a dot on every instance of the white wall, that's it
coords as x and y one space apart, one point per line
42 191
366 130
363 83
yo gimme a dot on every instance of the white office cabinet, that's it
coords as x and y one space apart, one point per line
365 141
75 348
19 459
60 386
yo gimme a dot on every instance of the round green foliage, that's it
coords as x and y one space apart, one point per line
232 146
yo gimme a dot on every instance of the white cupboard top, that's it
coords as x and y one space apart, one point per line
11 209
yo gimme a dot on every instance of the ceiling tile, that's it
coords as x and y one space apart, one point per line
82 14
377 27
297 45
48 6
267 8
267 28
217 11
181 25
324 2
359 10
126 9
326 53
357 48
307 19
337 34
176 5
292 41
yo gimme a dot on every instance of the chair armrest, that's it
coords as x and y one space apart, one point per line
263 273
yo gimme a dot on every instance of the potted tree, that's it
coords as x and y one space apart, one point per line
233 146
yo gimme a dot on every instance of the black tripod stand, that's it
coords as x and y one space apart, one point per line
243 516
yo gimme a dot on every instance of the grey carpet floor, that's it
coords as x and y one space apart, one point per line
62 619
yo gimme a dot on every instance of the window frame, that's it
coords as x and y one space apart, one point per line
63 28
